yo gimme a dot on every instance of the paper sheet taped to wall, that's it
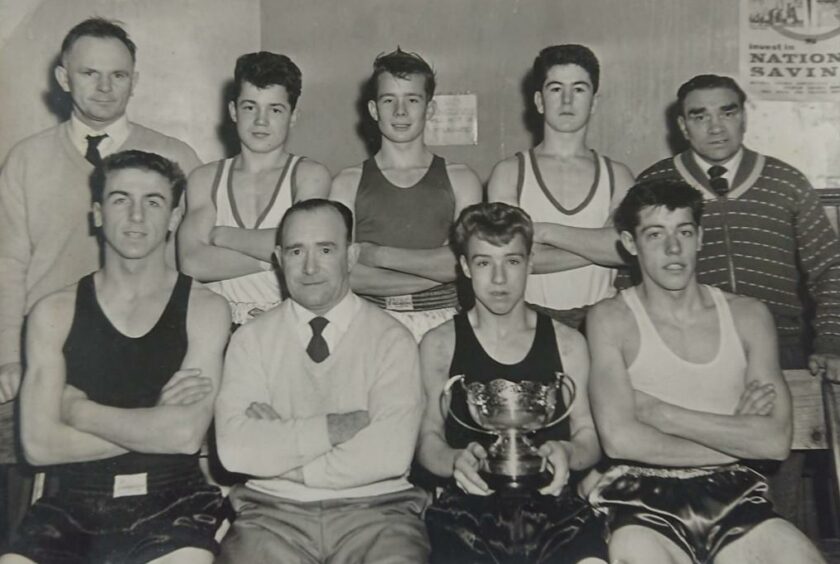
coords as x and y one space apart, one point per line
455 121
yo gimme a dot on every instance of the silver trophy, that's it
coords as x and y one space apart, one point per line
511 411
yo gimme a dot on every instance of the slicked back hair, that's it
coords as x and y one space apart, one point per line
101 28
707 82
141 160
314 204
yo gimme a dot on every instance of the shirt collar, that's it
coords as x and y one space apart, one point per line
117 134
731 165
339 317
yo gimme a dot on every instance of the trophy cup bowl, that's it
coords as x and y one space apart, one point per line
511 411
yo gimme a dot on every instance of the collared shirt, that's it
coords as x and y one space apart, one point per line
731 165
117 134
339 318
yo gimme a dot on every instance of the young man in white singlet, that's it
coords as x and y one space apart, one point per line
235 205
568 188
405 199
685 386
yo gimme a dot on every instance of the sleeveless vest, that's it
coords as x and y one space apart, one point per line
581 286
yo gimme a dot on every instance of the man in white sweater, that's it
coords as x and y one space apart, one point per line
320 405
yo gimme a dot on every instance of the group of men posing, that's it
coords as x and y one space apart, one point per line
322 400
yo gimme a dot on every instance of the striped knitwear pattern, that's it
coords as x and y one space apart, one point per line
767 241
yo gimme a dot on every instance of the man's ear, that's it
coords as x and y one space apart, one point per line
278 254
374 113
682 126
538 102
294 118
352 255
595 99
232 110
531 262
175 218
62 77
97 214
699 237
465 268
135 78
431 108
629 242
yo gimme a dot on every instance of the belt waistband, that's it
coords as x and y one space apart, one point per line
107 484
438 297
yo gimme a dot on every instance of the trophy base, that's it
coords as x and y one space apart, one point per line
523 483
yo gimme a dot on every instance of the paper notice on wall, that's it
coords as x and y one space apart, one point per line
455 121
790 49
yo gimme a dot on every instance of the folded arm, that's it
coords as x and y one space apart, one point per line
311 180
384 448
167 428
46 436
199 257
436 264
260 446
623 434
741 435
383 282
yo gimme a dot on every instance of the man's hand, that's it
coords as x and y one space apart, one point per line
557 455
70 398
825 364
342 427
10 374
186 387
465 470
368 254
757 399
262 411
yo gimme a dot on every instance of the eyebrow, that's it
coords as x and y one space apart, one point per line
124 193
249 101
575 83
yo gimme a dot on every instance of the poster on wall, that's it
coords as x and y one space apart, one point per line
790 49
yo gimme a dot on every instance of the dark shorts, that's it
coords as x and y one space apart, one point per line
700 509
80 524
465 529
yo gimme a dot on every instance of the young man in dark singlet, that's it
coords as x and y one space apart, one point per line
568 189
405 199
123 368
502 338
235 205
685 384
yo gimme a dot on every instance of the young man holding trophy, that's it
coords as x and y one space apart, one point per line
503 367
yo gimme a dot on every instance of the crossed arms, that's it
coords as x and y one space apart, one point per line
322 450
209 252
636 426
59 424
389 271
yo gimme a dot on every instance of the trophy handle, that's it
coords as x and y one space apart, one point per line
570 385
445 400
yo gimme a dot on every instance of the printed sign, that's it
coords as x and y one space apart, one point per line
455 121
790 49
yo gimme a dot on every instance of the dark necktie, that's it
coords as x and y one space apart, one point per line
317 348
717 181
92 154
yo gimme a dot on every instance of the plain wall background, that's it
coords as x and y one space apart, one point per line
187 50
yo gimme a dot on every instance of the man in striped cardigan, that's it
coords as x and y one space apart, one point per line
765 232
